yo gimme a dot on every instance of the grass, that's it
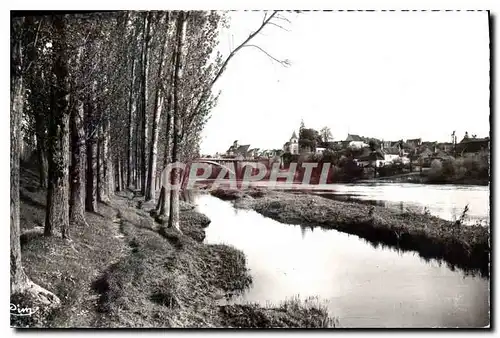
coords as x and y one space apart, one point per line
120 272
466 247
63 267
289 314
169 283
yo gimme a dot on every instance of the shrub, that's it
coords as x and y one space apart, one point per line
448 168
471 166
394 168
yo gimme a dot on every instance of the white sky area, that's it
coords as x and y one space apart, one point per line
389 75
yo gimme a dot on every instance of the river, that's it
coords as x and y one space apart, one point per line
361 285
445 201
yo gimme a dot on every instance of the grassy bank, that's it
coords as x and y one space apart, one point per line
465 247
120 272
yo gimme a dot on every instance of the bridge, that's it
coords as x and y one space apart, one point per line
235 167
226 161
232 166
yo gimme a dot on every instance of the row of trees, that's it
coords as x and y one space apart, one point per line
100 93
106 101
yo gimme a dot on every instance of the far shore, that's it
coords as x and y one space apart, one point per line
419 178
463 246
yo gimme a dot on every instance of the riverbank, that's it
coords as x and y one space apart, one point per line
119 272
423 178
465 247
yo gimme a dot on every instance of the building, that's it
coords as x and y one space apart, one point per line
238 151
253 153
429 144
355 142
388 144
292 146
371 158
320 150
445 146
354 137
391 154
231 151
413 143
473 145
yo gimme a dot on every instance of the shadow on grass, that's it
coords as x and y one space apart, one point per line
30 236
96 213
30 201
165 298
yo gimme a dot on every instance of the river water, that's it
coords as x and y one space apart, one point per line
361 285
444 201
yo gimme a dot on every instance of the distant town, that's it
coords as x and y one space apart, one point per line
365 150
460 159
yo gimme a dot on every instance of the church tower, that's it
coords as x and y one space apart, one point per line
294 144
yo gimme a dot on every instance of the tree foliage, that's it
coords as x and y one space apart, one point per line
309 139
326 134
104 101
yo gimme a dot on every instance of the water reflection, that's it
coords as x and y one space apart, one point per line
303 231
363 285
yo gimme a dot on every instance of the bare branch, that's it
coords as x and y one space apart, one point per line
206 93
281 17
231 55
34 42
284 63
37 31
275 24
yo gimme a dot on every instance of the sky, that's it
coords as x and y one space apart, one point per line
388 75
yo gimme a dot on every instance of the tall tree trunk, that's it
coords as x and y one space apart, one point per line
57 196
77 169
137 146
40 127
91 172
137 180
163 206
123 167
36 83
150 187
119 174
173 221
107 164
111 173
144 97
99 163
18 278
19 281
130 127
77 184
102 163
